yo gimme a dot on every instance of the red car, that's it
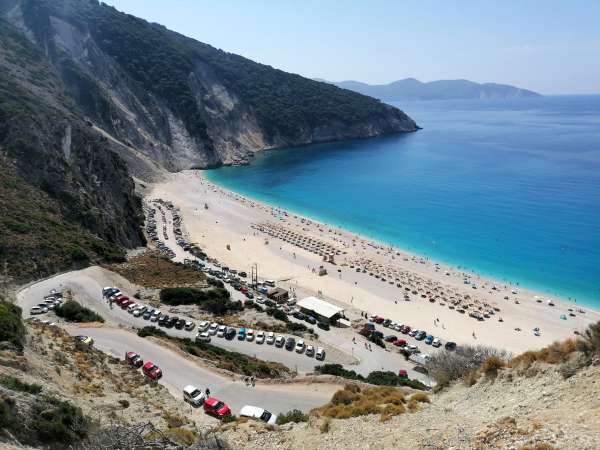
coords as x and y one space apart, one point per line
152 371
403 374
400 343
405 329
126 303
134 359
216 407
379 320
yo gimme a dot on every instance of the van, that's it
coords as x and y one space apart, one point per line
270 283
320 355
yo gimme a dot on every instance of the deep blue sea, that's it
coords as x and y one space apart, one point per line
506 188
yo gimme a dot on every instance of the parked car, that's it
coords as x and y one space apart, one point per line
163 320
230 333
203 326
300 346
85 340
429 339
171 322
403 374
242 334
202 336
298 315
147 314
193 395
323 325
450 346
250 334
152 371
311 320
155 316
399 343
38 310
212 329
279 341
320 355
379 320
270 338
179 324
134 359
290 343
260 337
310 350
436 342
216 408
189 326
258 413
221 331
386 323
390 338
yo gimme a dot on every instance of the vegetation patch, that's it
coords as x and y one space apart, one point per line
15 384
215 300
224 359
74 312
352 401
379 378
295 415
155 271
12 329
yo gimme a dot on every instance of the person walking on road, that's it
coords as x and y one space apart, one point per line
207 392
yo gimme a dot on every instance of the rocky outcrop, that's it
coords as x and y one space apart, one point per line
182 103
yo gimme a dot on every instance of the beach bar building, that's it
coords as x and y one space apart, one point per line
320 309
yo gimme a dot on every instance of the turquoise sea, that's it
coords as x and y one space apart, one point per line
509 189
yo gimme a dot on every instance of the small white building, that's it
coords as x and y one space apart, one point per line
320 309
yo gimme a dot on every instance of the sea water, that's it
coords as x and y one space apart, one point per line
508 189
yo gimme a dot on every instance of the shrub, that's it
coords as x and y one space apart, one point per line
491 366
446 366
591 338
420 397
294 326
295 415
215 300
11 326
377 377
15 384
124 403
58 421
74 312
325 425
151 331
352 402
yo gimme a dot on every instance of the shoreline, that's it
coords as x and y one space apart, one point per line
545 293
228 222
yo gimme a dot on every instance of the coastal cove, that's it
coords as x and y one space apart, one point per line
508 189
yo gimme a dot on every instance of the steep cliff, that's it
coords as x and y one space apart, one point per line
65 197
184 103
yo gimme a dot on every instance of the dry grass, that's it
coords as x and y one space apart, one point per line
325 425
555 353
182 436
151 270
538 446
352 401
491 366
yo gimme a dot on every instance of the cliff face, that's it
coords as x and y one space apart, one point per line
183 103
65 197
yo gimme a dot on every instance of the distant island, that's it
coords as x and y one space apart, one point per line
412 89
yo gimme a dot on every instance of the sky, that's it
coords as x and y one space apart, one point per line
549 46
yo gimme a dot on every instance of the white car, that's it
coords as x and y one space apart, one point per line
193 395
221 331
310 350
398 326
203 326
155 316
270 338
258 413
137 312
260 337
300 346
37 310
131 307
320 354
203 336
189 326
250 334
212 330
372 318
436 342
260 299
279 341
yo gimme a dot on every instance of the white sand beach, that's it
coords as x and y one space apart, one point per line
367 276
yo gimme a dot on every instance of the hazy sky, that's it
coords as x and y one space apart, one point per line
549 46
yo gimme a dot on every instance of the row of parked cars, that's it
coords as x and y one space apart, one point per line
198 397
419 335
152 232
206 330
51 301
